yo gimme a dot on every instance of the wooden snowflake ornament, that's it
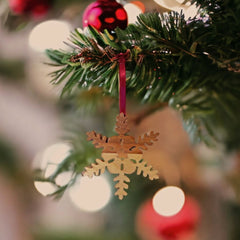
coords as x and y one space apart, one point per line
121 155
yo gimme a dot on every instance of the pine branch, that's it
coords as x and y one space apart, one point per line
82 153
192 66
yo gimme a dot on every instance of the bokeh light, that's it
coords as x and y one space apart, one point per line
49 34
48 161
91 194
188 10
168 201
45 188
55 154
133 9
63 178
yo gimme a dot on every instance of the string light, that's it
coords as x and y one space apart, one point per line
47 161
188 10
168 201
184 2
91 194
45 188
49 34
63 178
52 156
55 154
133 9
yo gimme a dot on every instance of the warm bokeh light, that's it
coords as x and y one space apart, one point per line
184 2
52 156
49 34
189 10
168 201
45 188
167 4
49 159
63 178
55 154
133 9
139 4
91 194
182 226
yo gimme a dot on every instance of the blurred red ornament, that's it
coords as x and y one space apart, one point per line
105 14
34 8
152 226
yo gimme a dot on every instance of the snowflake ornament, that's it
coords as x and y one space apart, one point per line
121 155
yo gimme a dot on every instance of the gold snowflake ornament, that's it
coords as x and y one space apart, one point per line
121 155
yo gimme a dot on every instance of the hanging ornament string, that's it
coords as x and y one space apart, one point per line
122 83
122 154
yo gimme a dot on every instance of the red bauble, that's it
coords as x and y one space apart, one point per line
152 226
105 14
35 8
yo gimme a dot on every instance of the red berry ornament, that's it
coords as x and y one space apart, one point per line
35 8
105 14
152 226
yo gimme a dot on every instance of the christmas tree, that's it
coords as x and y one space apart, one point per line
179 71
190 65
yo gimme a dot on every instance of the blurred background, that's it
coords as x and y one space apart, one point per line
38 131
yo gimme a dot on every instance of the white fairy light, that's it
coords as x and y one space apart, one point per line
183 2
45 188
63 178
50 169
133 11
191 11
47 161
188 10
55 154
49 34
90 194
168 4
168 201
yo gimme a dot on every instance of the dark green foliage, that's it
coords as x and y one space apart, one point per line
82 154
7 66
8 160
193 65
234 215
72 236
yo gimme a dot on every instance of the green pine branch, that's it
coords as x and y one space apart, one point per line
191 65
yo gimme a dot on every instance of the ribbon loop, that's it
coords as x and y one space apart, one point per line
122 83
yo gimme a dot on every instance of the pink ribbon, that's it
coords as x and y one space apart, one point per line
122 83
